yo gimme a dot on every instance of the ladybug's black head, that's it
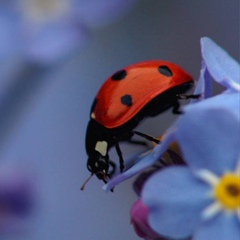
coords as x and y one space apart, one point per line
98 165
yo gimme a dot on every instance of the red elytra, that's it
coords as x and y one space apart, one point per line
139 84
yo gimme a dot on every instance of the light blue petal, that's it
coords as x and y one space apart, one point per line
224 226
141 165
144 163
209 133
175 199
220 64
204 84
229 101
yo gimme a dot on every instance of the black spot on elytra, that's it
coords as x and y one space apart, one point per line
119 75
126 100
165 70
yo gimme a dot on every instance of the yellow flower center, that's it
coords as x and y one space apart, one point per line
227 191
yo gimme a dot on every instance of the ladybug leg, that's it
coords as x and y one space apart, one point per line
176 107
119 152
136 142
150 138
188 96
113 165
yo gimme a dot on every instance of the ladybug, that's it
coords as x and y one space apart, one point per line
137 91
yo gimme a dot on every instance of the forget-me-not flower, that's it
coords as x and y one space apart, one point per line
201 199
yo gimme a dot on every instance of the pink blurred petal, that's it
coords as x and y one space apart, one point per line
139 219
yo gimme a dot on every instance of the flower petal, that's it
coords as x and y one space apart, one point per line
220 64
141 179
144 163
209 133
223 226
204 84
175 199
139 219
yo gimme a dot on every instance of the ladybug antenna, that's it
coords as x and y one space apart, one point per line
84 184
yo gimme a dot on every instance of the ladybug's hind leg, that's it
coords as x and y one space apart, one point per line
137 142
176 105
176 108
191 96
148 137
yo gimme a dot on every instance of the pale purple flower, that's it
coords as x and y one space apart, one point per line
46 31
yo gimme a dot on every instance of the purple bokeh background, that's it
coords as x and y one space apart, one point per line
43 122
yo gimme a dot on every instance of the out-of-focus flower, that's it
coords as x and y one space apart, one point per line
139 219
46 30
16 199
140 212
203 199
217 64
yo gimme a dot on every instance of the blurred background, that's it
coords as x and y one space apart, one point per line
54 56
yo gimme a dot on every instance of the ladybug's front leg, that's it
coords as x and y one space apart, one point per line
119 152
113 165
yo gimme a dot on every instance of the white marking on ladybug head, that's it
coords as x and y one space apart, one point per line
93 116
101 147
